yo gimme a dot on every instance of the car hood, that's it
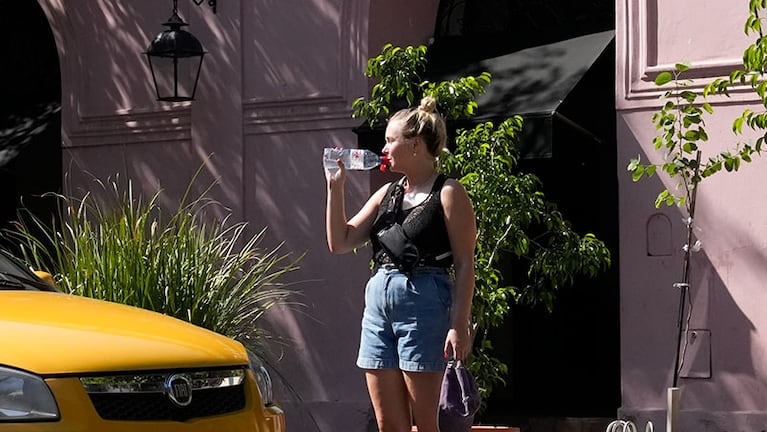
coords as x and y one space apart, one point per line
54 333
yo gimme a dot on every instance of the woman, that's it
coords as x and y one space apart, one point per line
417 311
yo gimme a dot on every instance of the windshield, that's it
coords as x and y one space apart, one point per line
14 275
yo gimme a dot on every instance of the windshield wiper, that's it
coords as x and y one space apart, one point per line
6 284
19 282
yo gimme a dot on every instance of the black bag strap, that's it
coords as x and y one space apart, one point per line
392 210
396 192
438 183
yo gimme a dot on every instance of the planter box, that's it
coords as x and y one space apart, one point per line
494 428
486 429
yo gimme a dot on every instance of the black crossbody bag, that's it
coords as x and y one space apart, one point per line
393 240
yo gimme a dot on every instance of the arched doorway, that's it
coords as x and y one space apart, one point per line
30 120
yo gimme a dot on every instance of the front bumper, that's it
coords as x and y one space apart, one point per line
78 415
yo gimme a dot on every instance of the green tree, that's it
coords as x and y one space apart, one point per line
682 135
513 215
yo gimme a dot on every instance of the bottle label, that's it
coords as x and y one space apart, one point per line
356 159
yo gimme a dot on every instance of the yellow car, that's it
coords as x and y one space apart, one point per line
70 363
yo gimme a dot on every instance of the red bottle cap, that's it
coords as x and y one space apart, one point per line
384 163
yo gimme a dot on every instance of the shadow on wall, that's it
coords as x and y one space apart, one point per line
118 88
717 350
726 279
321 339
298 72
718 370
719 340
109 110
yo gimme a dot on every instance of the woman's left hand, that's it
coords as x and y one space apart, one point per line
457 344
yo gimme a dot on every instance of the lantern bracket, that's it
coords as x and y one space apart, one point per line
211 4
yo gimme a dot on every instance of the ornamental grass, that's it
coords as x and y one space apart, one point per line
120 247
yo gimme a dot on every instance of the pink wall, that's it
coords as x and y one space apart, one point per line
728 274
275 88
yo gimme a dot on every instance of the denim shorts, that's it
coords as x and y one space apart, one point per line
406 320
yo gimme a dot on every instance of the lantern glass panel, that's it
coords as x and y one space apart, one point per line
175 78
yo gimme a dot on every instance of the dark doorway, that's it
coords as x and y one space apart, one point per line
564 364
30 120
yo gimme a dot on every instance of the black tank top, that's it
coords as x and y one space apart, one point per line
424 225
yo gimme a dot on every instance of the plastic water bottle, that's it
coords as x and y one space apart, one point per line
353 159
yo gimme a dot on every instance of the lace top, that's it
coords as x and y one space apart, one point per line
424 225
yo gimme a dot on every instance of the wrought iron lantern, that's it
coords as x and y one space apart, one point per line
175 59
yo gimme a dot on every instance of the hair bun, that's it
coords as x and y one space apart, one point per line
428 105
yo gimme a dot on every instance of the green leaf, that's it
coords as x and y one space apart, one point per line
692 119
737 125
688 96
663 78
670 200
703 135
637 173
692 135
662 197
760 89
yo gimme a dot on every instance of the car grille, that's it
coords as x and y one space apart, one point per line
145 398
156 406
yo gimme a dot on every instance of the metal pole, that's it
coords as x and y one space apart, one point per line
672 413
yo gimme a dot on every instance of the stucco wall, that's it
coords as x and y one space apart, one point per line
275 88
727 288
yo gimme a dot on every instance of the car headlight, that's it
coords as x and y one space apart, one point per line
263 379
25 397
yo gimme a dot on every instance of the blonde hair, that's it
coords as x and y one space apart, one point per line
424 122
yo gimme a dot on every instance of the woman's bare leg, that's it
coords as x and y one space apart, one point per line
423 390
390 399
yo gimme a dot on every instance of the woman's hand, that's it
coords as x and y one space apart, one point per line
336 176
457 344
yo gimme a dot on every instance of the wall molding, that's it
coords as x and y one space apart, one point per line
298 115
641 54
330 111
132 127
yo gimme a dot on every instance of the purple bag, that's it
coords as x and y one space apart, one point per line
459 400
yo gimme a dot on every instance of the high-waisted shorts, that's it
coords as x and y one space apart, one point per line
406 320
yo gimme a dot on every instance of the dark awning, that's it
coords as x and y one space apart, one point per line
534 83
